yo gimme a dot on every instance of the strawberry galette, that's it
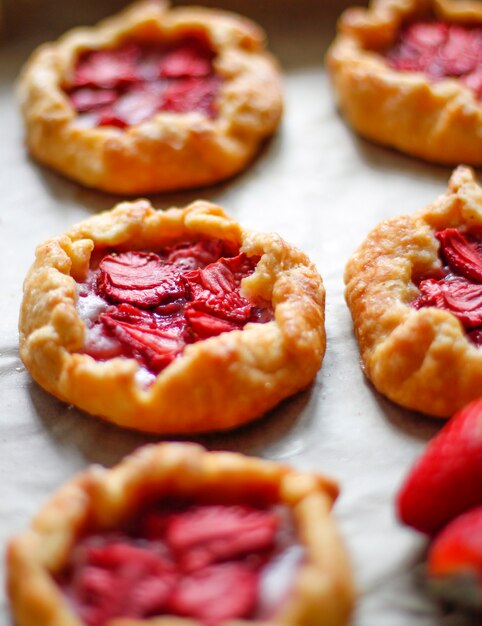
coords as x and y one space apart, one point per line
408 74
152 99
174 321
176 535
414 288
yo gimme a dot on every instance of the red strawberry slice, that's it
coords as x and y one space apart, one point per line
217 593
440 50
137 105
204 325
457 54
214 289
189 59
139 278
155 346
241 266
191 94
462 252
120 580
455 560
216 278
108 68
447 478
85 100
197 255
456 295
231 307
224 275
203 535
425 36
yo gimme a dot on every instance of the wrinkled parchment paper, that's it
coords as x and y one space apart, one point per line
320 187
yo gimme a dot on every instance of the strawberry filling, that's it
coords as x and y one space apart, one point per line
440 50
207 562
149 306
128 85
460 289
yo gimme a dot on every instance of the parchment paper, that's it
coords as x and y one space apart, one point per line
321 188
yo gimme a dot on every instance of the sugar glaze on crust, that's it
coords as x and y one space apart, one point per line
422 358
437 121
170 151
104 499
217 383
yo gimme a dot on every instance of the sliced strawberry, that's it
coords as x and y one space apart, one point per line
139 278
456 295
462 252
156 346
223 276
204 535
458 54
190 58
204 325
455 560
192 94
231 307
216 278
217 593
137 105
440 50
241 266
107 69
447 478
120 580
214 291
424 36
128 85
194 256
163 303
86 99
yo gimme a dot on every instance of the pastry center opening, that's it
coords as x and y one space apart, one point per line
149 306
440 50
128 85
460 289
212 563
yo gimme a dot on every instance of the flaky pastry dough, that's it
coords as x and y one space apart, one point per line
170 151
437 121
104 499
422 358
217 383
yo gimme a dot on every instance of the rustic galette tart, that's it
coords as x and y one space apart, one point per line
152 99
175 535
414 288
171 321
408 74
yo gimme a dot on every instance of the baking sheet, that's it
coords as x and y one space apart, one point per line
318 186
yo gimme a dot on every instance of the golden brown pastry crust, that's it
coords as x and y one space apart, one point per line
170 151
217 383
439 122
102 500
422 358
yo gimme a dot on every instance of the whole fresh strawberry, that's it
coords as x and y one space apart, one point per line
455 560
447 479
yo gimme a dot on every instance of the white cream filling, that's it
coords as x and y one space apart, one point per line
277 580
